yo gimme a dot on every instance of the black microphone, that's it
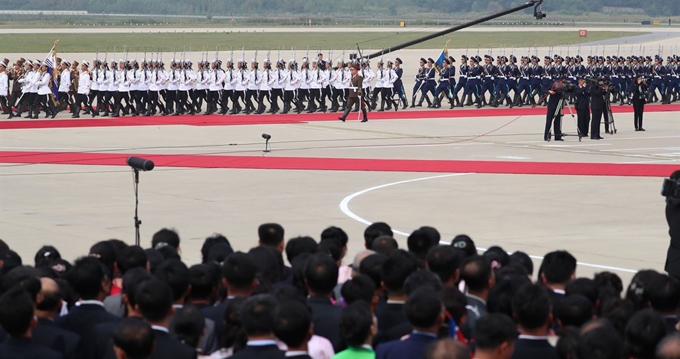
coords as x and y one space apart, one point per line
139 163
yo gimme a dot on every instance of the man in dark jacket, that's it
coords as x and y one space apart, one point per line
554 113
583 107
673 219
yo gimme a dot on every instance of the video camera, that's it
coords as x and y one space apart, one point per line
597 81
671 190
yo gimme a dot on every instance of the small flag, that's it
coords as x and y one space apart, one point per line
445 54
50 62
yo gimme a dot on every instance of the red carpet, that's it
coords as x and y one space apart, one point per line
219 120
346 164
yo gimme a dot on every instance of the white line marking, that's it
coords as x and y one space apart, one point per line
344 207
580 145
610 139
643 148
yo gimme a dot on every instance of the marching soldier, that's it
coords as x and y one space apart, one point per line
355 94
4 89
83 91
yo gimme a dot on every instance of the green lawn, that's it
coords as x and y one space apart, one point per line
167 42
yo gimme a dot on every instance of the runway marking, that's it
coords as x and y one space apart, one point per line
344 207
644 149
607 139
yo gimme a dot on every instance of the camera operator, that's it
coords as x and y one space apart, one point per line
639 94
671 190
598 91
555 106
583 107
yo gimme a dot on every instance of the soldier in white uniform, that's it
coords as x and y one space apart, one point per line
379 84
200 93
4 88
25 81
157 81
228 89
240 82
253 86
83 91
290 93
64 86
215 84
43 99
278 86
266 82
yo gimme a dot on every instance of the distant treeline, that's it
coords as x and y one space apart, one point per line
328 7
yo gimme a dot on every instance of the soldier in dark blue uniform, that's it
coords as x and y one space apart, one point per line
658 74
536 83
420 82
444 85
452 81
524 90
430 83
513 74
399 85
502 88
473 82
462 79
667 79
489 74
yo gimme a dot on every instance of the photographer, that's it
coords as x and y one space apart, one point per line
598 91
671 189
639 94
583 107
555 106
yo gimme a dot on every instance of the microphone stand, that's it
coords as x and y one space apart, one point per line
266 146
138 222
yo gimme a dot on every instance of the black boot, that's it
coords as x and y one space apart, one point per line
365 115
344 114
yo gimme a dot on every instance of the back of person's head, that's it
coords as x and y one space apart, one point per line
299 269
203 281
664 293
448 348
493 331
360 287
22 276
464 243
500 296
269 263
558 267
239 271
637 291
16 311
134 338
398 266
609 279
298 245
321 274
154 257
455 303
420 242
10 260
168 252
219 253
154 299
585 287
259 314
331 247
497 256
669 348
643 333
130 257
574 310
187 325
445 262
45 255
476 272
106 252
293 324
618 312
422 279
374 231
524 260
511 270
335 233
50 294
601 342
424 309
531 306
165 237
234 334
372 267
385 245
270 234
209 243
88 278
131 281
176 274
567 344
356 321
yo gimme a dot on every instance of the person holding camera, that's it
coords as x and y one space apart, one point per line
639 94
671 190
555 110
599 107
583 107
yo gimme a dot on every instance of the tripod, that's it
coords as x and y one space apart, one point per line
610 115
564 102
138 222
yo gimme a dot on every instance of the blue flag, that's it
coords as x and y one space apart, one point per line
50 63
440 61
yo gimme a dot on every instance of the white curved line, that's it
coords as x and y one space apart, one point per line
344 207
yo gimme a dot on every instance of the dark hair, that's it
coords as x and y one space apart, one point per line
209 243
154 257
618 312
664 293
524 260
321 274
239 270
423 308
372 267
259 314
117 244
374 231
299 245
567 343
447 348
332 247
476 272
45 255
288 293
234 334
360 287
105 252
494 329
270 234
585 287
169 252
355 323
176 274
335 233
154 298
601 342
455 302
203 281
51 301
22 276
384 245
167 236
219 253
465 243
131 281
420 242
422 279
558 267
298 268
269 268
87 276
16 311
135 338
292 326
574 310
643 333
11 260
187 325
511 270
637 292
130 257
604 279
444 261
531 306
497 254
500 296
398 266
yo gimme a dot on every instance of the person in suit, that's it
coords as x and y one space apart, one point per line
355 95
480 279
134 339
426 313
672 266
448 348
358 326
597 103
644 332
495 335
258 316
48 309
664 297
294 327
639 99
126 259
557 270
531 308
321 276
154 300
583 107
554 114
17 320
398 266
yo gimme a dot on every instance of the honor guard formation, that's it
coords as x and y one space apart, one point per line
150 86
